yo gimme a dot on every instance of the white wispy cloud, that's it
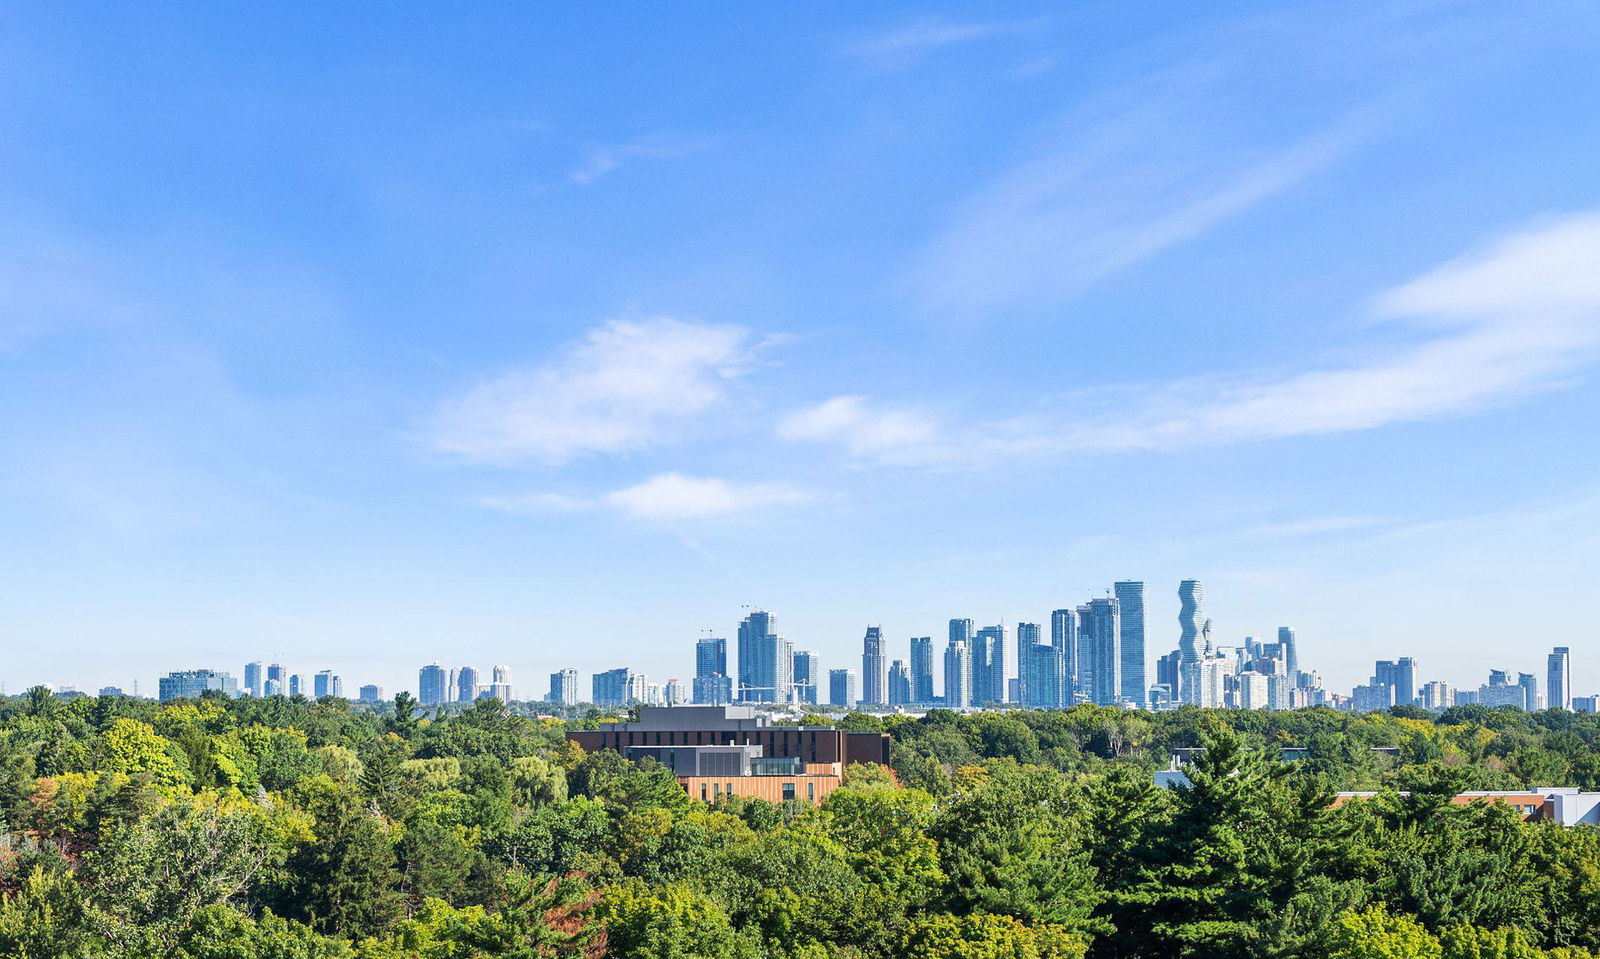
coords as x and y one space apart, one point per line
911 40
1518 316
665 497
674 496
606 159
863 430
626 385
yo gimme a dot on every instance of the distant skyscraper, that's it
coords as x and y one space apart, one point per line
252 678
1372 697
713 685
1436 695
958 674
371 694
322 684
564 687
1402 675
1099 641
467 684
1064 642
807 675
500 683
433 685
1130 608
1039 681
1558 678
614 687
297 685
1291 655
1501 692
765 660
1167 673
874 669
1191 624
922 669
1529 684
989 666
281 675
190 683
961 630
842 687
899 683
673 693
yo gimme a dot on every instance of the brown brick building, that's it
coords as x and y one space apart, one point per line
721 750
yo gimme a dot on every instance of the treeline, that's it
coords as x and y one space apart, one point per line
287 829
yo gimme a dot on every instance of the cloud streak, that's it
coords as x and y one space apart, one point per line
1044 232
1155 160
626 385
1520 315
605 160
906 43
663 498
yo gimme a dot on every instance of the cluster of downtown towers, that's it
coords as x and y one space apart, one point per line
1094 653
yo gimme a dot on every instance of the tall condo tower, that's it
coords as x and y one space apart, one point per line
1191 621
432 685
874 669
807 675
712 685
958 673
1130 605
1558 678
766 660
1099 636
1064 643
1291 656
922 669
989 666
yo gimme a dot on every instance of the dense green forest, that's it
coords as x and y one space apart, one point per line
286 829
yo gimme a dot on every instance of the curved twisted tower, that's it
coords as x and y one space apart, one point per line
1191 623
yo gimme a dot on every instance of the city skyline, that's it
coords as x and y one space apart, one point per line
1083 660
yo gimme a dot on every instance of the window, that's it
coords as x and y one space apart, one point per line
788 792
811 792
716 789
703 788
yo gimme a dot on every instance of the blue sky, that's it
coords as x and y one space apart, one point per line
530 334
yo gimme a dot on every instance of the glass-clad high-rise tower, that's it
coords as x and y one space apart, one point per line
712 684
1099 641
874 669
1291 655
765 660
922 669
1130 607
1558 679
1064 643
989 665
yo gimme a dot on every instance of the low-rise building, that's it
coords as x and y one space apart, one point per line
718 751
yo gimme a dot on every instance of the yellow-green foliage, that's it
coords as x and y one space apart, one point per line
132 747
425 774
